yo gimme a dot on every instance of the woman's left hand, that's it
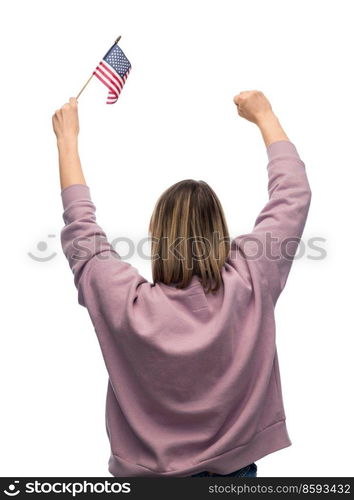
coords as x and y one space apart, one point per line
66 121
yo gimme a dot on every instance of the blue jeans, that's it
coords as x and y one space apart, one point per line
248 471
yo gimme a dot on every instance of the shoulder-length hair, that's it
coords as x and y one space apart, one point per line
189 235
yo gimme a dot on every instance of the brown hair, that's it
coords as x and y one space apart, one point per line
189 236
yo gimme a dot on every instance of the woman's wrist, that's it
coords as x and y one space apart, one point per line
67 143
266 118
271 129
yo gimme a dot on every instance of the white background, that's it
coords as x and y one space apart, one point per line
175 119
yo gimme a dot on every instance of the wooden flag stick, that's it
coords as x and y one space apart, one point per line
78 95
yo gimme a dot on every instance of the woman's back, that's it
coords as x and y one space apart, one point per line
194 378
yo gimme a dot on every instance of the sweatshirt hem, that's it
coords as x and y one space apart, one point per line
278 149
271 439
74 192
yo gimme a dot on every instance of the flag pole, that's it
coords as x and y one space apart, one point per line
78 95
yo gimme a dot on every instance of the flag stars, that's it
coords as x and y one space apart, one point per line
117 59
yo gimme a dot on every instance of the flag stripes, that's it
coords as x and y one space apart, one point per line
113 71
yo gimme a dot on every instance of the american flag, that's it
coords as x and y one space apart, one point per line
113 71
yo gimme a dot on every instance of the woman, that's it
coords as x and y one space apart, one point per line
194 385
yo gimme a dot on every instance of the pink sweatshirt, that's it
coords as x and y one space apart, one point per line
193 378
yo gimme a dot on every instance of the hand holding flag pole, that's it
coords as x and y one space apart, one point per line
112 71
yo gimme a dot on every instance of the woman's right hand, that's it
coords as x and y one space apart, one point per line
253 106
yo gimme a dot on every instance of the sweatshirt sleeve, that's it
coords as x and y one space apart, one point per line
93 261
271 246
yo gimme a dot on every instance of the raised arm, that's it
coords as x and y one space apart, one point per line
66 127
103 280
273 242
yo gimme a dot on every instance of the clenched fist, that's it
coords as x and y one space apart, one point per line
66 121
253 105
